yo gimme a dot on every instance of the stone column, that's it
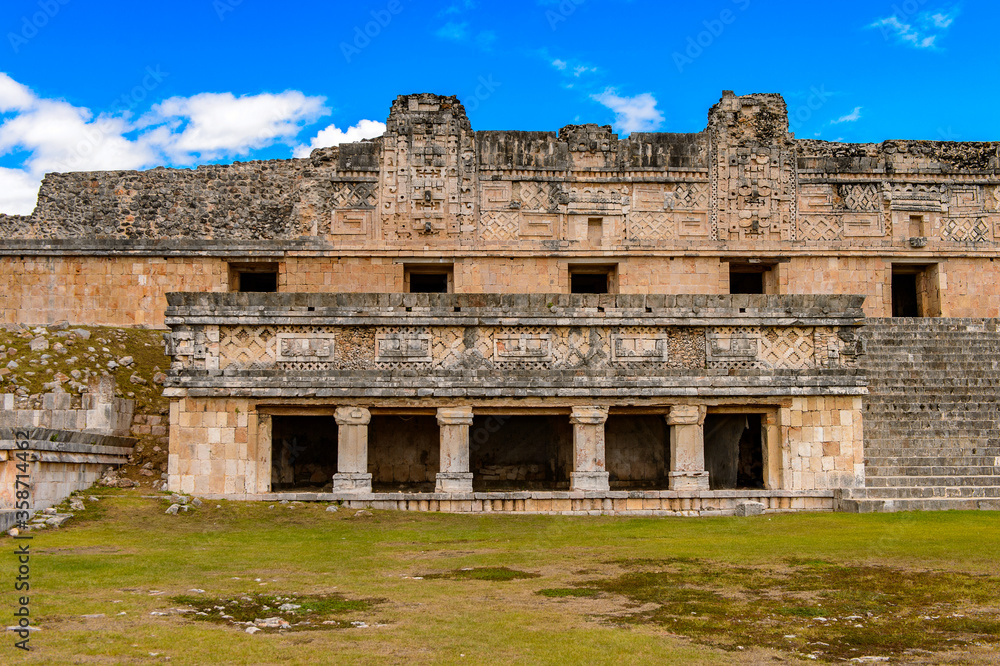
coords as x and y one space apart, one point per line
589 472
352 450
454 476
687 447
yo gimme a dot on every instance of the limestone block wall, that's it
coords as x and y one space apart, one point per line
823 442
100 290
97 412
870 277
61 462
213 447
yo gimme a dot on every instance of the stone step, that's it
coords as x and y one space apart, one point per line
927 492
936 504
932 481
881 458
927 471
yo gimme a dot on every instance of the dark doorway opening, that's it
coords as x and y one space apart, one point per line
750 278
637 451
259 282
905 299
403 453
509 452
734 451
588 283
303 452
428 283
746 283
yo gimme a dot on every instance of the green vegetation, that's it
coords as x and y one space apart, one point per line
602 590
35 369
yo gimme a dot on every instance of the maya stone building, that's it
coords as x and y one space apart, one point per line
443 319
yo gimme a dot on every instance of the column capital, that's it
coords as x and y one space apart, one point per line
591 415
687 415
352 416
454 416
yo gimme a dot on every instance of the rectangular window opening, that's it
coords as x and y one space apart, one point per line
253 277
586 279
750 278
431 279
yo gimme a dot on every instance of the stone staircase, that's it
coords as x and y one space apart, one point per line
932 420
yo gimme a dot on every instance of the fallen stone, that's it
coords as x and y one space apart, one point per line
136 379
332 509
39 344
93 616
289 607
49 511
173 509
272 623
58 521
744 509
146 472
363 513
251 630
196 502
126 360
77 505
159 378
81 333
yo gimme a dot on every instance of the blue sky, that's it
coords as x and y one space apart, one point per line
95 84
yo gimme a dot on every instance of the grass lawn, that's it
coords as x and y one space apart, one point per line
451 589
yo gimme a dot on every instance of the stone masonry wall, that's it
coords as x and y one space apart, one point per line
823 438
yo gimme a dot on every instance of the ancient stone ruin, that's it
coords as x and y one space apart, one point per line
443 319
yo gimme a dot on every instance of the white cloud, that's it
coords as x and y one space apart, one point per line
216 125
851 117
560 64
580 70
57 136
18 191
13 95
334 136
454 31
921 31
632 114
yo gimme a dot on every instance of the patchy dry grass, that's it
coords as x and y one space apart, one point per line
112 585
814 607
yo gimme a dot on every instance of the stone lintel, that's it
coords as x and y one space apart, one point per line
352 416
593 416
454 416
687 415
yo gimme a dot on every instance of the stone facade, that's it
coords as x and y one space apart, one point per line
679 228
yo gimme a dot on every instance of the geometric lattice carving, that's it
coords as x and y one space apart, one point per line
650 226
355 195
965 229
814 227
865 198
499 226
788 348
